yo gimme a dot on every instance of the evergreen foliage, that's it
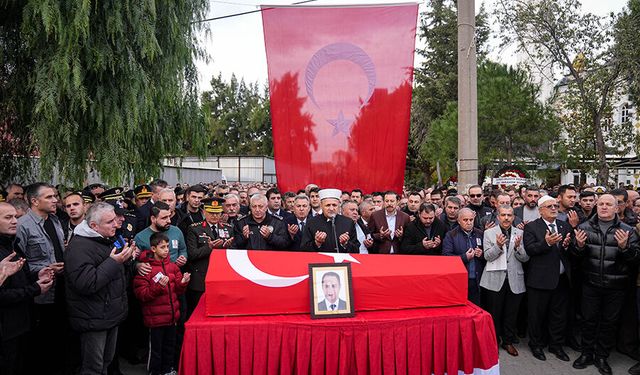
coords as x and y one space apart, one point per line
628 48
436 80
513 126
238 117
113 84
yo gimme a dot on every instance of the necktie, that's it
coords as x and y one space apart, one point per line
301 226
333 307
553 230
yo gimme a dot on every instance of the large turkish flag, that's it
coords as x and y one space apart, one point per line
340 85
254 282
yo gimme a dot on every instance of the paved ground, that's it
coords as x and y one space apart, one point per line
524 364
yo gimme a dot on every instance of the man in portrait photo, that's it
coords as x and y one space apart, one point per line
331 290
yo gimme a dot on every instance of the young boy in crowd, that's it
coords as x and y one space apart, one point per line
158 293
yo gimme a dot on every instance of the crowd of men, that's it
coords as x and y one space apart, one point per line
558 265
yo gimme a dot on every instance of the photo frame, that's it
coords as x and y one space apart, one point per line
331 290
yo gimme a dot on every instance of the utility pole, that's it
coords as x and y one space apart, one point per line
467 96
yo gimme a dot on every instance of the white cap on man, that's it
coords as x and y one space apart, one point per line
545 198
330 193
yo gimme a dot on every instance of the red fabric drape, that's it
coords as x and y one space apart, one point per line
340 88
417 341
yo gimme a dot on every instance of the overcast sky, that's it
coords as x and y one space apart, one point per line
236 45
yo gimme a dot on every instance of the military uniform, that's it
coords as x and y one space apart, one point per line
198 236
143 213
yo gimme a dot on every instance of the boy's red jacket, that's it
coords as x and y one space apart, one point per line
160 306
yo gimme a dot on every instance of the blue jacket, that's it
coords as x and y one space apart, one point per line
456 242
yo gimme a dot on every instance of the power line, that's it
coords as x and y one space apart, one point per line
247 12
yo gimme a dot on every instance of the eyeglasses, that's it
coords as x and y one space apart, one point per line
475 195
552 206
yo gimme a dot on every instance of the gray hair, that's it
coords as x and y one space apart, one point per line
466 210
504 207
348 201
167 190
232 195
301 197
364 204
97 211
454 200
258 197
19 204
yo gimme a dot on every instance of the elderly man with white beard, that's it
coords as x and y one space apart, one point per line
330 231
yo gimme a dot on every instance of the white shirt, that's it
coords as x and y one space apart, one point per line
329 305
361 237
530 214
391 225
555 229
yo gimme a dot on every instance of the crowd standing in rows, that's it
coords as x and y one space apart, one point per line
82 273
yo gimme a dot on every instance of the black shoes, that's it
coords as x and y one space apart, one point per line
583 361
603 366
560 354
635 370
538 353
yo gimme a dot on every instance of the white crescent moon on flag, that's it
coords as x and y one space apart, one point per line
240 262
340 51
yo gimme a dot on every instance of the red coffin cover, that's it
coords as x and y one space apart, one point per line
256 282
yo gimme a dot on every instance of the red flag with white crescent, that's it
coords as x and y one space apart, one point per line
340 87
254 282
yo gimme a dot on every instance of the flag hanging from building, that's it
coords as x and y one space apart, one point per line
340 86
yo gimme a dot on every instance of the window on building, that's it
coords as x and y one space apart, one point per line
625 113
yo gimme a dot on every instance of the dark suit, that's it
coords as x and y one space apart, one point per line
377 221
415 232
323 224
548 290
282 215
342 305
297 239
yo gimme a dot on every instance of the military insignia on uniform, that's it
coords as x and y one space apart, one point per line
129 227
277 217
197 223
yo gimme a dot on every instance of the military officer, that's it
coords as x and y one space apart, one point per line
202 238
143 204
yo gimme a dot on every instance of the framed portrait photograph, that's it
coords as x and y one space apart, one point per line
331 290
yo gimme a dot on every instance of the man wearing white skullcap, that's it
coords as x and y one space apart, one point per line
547 242
330 231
